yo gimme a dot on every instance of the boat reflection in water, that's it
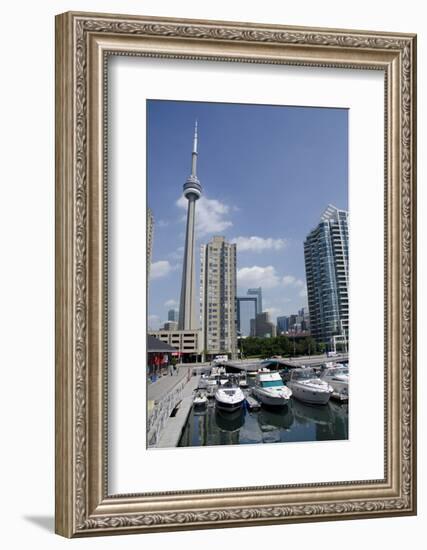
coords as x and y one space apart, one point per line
329 422
274 423
230 421
295 422
229 425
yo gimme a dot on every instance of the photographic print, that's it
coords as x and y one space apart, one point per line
247 274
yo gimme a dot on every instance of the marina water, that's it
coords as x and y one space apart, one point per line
296 421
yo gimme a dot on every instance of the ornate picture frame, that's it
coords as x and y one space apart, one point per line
84 42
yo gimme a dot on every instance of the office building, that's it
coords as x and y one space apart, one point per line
173 315
258 293
218 297
262 327
282 324
170 325
326 265
246 309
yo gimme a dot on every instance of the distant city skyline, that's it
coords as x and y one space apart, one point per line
267 172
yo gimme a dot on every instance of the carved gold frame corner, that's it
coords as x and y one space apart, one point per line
83 43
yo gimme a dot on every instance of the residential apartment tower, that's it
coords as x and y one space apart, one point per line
218 297
327 270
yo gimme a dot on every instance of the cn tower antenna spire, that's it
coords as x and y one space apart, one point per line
195 153
195 137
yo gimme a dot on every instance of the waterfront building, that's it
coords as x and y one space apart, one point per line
282 324
246 309
258 293
187 343
262 327
150 231
218 297
173 315
192 191
326 265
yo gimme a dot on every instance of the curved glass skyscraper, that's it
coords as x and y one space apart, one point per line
327 269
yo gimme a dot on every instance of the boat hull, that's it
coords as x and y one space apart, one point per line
271 401
309 395
228 406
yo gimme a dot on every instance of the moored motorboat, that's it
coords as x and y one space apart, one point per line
270 389
200 400
229 397
307 387
337 376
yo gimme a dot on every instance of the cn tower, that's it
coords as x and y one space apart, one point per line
192 191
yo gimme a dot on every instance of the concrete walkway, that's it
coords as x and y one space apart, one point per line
165 384
172 430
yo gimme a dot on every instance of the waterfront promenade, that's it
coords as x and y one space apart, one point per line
164 384
173 428
169 395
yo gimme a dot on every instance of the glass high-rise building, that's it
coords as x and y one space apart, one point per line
173 315
327 269
258 293
218 297
282 323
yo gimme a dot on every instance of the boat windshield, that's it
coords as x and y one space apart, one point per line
271 383
305 374
340 370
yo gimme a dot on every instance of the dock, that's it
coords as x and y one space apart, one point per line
253 404
284 362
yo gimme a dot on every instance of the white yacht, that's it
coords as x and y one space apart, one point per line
307 387
337 375
229 397
270 389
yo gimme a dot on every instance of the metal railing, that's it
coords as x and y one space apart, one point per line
162 410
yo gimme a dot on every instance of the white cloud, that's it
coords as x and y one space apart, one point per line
259 244
290 280
160 269
162 223
171 303
258 276
210 215
177 254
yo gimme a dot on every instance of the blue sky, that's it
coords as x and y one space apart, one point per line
267 173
